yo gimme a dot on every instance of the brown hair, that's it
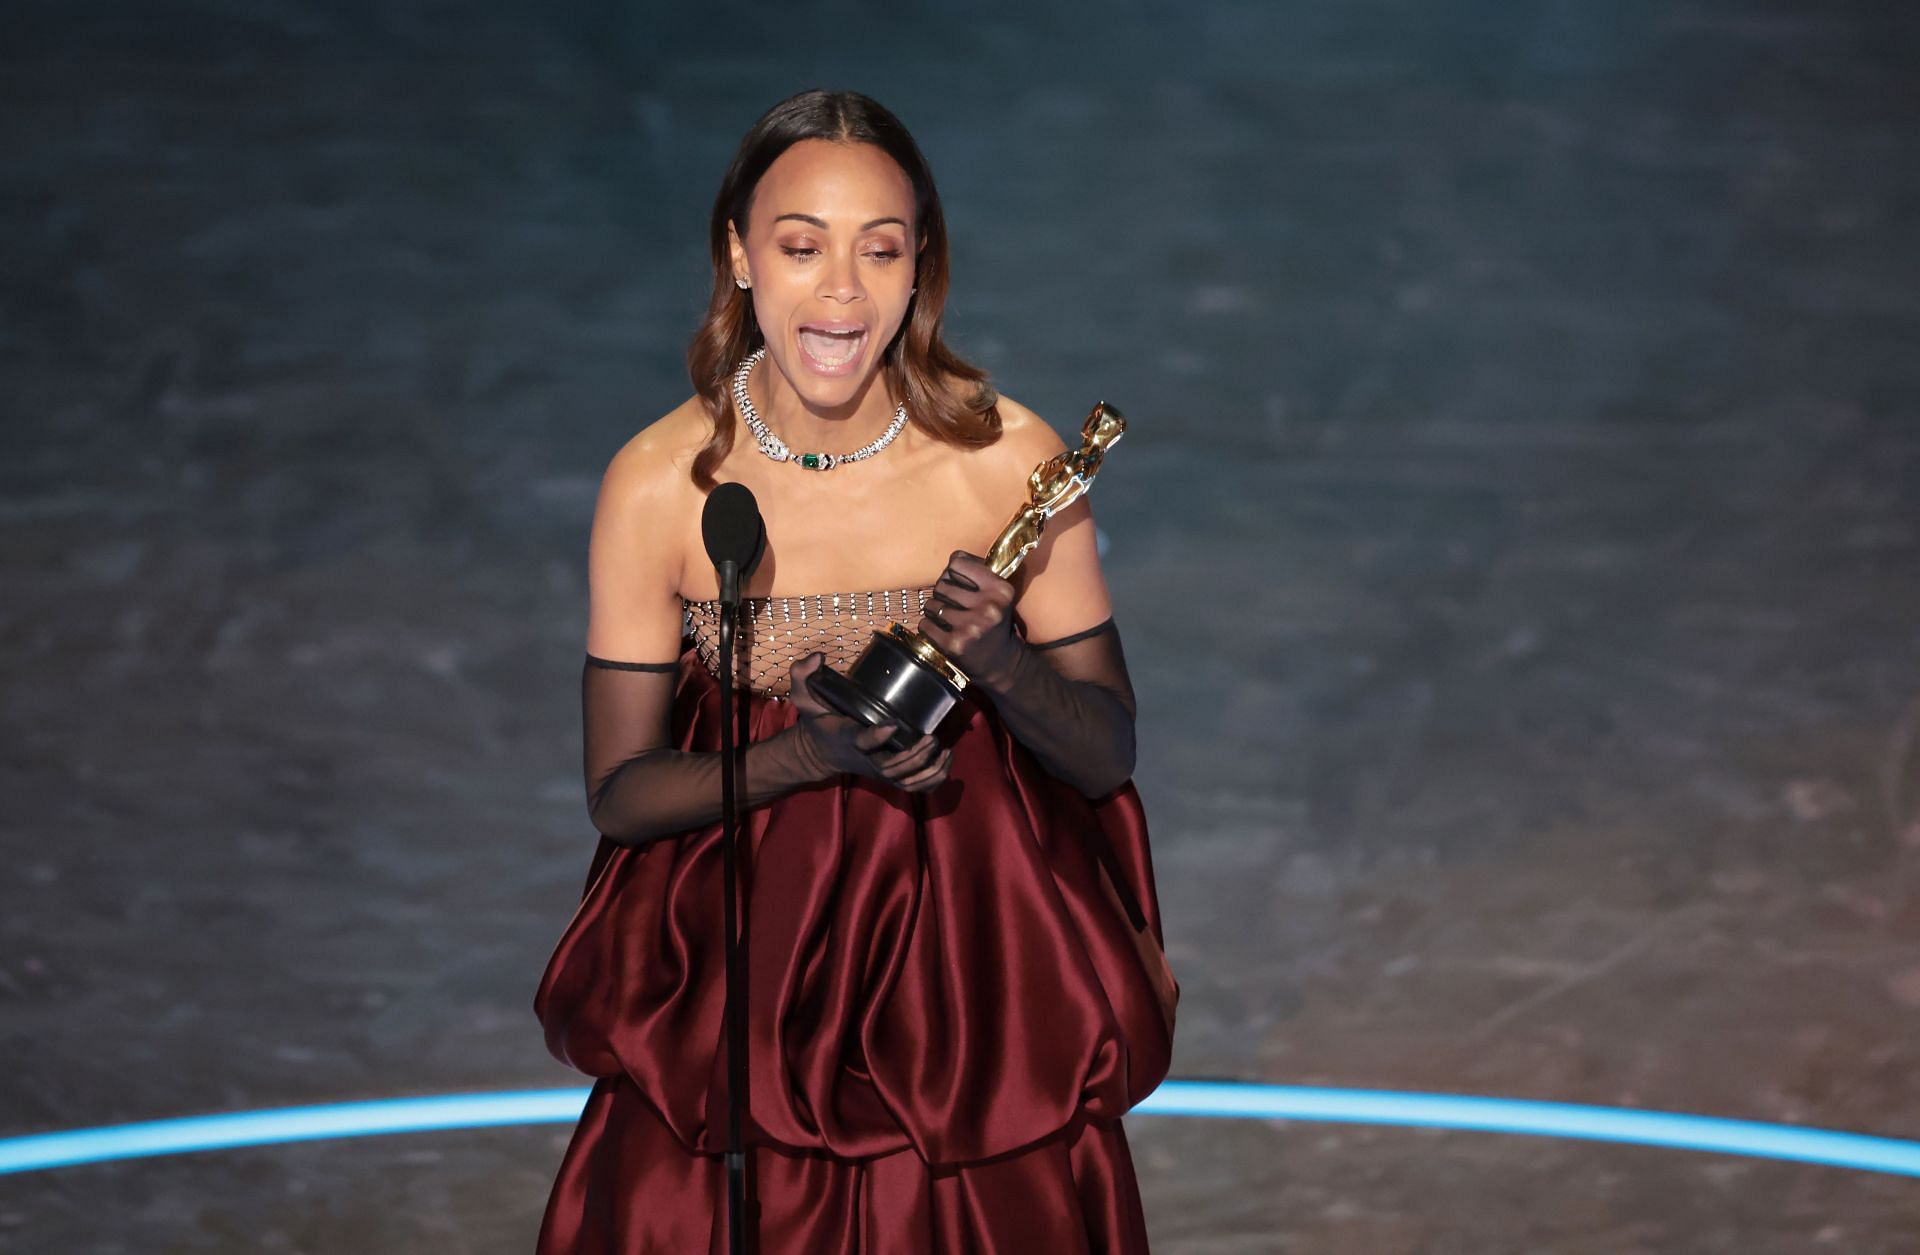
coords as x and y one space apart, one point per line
950 398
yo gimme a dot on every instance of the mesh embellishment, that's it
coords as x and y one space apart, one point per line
776 632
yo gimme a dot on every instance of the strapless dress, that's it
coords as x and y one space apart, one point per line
952 996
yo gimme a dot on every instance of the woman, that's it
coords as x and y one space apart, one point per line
956 984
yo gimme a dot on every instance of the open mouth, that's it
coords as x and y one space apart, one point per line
831 349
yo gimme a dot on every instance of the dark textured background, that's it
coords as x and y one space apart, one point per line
1515 544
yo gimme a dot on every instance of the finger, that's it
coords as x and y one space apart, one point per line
955 611
893 762
972 566
868 740
798 688
983 617
952 576
932 776
934 617
909 760
936 767
988 591
940 634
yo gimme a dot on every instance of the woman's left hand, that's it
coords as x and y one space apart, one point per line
970 617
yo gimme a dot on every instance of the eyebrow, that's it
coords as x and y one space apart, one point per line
868 226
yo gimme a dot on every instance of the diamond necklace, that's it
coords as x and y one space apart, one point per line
776 448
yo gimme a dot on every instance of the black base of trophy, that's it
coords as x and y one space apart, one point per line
887 684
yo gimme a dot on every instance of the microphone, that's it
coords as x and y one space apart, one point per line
735 536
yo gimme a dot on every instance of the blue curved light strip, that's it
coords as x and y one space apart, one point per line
1544 1119
1219 1099
289 1124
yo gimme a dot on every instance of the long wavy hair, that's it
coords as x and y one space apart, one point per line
947 397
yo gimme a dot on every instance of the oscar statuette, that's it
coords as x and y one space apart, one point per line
901 678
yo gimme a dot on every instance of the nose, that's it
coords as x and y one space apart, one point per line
840 279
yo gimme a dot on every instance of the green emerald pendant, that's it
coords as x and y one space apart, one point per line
810 460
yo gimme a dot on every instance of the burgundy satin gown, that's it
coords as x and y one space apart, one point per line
947 1014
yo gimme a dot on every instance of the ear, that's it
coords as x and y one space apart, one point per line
737 253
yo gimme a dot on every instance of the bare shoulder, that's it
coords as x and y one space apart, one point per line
1026 439
651 470
647 492
1061 587
667 444
636 552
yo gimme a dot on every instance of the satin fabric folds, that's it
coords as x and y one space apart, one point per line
947 1014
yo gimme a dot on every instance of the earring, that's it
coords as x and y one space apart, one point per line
739 282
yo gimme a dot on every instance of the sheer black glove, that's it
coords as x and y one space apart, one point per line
1069 700
836 743
640 788
969 616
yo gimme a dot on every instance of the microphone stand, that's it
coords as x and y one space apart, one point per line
736 1021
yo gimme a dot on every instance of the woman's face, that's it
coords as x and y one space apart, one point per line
829 252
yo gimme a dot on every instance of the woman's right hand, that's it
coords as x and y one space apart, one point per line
836 743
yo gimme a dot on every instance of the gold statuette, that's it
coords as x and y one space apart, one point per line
901 677
1054 485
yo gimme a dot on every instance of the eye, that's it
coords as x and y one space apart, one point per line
885 255
799 252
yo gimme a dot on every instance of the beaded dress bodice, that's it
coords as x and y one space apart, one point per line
776 632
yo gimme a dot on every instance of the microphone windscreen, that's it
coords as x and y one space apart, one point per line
731 527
